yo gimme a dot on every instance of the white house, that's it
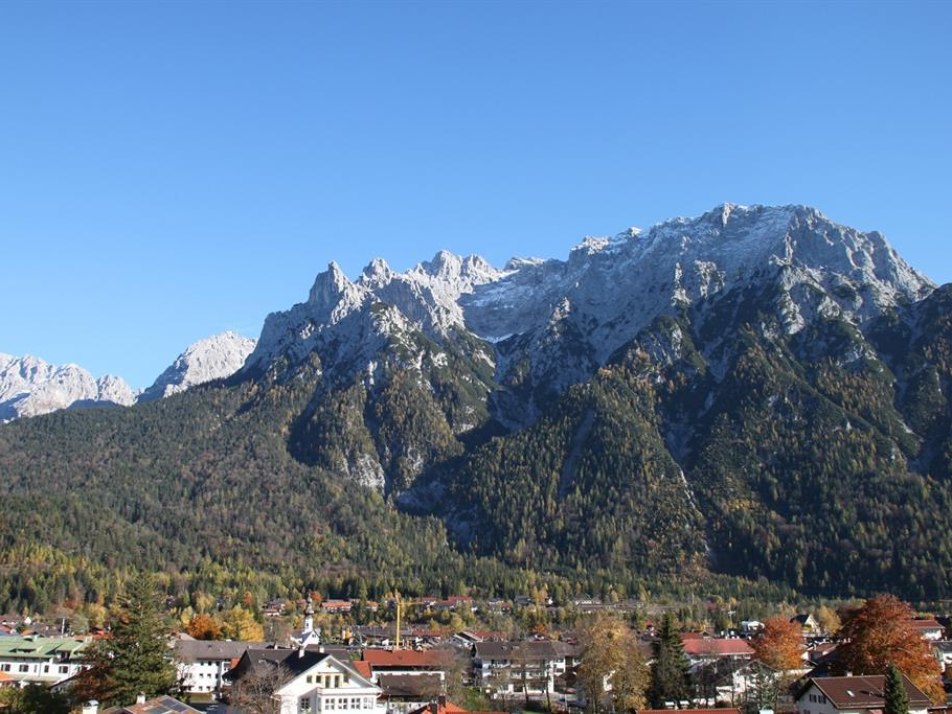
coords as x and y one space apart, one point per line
854 695
201 665
40 660
305 681
533 666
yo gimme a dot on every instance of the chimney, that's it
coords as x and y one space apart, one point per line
91 707
140 698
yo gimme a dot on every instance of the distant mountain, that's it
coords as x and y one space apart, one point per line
212 358
29 386
758 391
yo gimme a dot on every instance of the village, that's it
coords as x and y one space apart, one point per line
415 666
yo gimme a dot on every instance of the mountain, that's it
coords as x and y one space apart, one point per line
758 392
214 357
30 386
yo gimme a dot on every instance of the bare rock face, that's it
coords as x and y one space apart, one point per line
212 358
30 386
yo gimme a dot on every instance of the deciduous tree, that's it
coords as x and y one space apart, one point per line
610 656
880 634
780 644
204 627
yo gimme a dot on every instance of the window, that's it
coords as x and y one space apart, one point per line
24 668
330 703
310 679
355 703
368 703
304 705
63 669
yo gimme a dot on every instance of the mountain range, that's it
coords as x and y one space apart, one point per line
30 386
758 392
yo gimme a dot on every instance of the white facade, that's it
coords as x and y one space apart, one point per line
330 687
40 660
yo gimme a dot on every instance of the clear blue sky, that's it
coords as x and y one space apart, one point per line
169 170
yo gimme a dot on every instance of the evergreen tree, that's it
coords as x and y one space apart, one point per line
670 675
135 659
897 699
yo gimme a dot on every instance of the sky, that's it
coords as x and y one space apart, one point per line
171 170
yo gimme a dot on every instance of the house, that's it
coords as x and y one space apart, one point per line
928 628
808 624
406 692
531 667
40 660
854 695
730 681
158 705
201 665
688 711
441 706
302 681
701 649
408 662
943 653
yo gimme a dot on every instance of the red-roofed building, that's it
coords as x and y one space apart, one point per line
441 706
380 661
688 711
928 628
711 648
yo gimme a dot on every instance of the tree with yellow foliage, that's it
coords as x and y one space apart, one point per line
612 667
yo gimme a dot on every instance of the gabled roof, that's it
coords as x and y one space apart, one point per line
159 705
530 650
422 659
194 650
416 686
688 711
865 692
444 707
719 647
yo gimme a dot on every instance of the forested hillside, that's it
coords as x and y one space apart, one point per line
757 393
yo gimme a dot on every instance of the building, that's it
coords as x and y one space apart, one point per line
531 668
303 681
40 660
158 705
854 695
201 665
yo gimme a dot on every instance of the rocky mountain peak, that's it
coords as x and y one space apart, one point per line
214 357
30 386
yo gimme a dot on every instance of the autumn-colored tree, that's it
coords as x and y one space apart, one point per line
828 619
610 655
880 634
780 644
240 624
204 627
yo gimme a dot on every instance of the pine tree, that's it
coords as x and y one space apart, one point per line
135 659
897 699
670 675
